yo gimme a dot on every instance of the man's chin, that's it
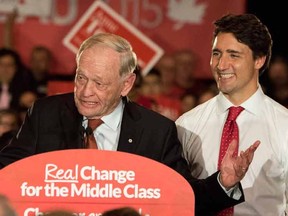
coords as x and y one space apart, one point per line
86 111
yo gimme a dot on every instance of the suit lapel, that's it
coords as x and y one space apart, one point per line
131 130
72 123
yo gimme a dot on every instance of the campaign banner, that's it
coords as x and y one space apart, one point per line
170 24
102 18
88 182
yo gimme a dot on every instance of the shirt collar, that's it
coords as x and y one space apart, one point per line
113 119
251 105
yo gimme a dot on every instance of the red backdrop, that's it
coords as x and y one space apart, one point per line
172 24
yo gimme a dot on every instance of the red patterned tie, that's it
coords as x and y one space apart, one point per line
230 132
92 125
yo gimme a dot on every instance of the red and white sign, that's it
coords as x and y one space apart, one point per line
89 182
172 24
101 18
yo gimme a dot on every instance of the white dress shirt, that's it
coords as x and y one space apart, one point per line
266 182
107 134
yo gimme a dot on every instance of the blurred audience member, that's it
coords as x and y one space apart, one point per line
40 66
275 83
186 62
152 84
59 212
6 209
9 125
14 79
40 57
208 93
188 101
26 100
167 68
152 88
122 211
135 93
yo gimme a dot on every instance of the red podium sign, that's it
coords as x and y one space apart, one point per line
89 182
102 18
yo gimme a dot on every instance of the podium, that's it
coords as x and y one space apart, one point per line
88 182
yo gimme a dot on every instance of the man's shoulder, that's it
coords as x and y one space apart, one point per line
275 107
138 112
57 97
55 101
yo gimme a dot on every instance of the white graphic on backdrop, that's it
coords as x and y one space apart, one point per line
185 11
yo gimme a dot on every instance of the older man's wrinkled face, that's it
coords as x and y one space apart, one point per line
98 84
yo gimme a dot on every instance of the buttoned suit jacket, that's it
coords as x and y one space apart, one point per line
53 123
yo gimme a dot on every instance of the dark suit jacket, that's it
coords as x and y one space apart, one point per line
53 123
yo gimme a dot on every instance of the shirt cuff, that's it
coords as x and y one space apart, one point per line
234 192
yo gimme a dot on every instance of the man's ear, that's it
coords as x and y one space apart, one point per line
260 61
128 83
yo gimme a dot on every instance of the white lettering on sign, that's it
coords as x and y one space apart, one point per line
88 182
55 174
97 191
121 176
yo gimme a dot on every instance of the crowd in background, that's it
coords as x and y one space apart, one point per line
7 209
169 88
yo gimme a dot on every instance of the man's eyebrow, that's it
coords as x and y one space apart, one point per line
233 51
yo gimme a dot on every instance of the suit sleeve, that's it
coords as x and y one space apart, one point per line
50 124
23 144
209 195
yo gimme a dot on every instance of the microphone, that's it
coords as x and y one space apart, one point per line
82 134
88 131
85 132
82 131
